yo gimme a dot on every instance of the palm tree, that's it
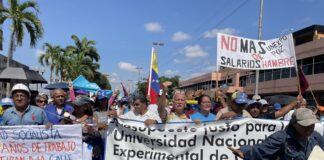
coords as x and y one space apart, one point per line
50 57
22 17
84 58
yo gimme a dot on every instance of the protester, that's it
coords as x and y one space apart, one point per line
177 114
4 105
295 142
83 111
203 115
236 108
255 109
55 110
23 113
140 112
41 100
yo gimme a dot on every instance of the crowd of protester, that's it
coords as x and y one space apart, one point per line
94 113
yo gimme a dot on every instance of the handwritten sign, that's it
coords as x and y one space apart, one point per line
62 142
244 53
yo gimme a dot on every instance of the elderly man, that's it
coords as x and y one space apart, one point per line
295 142
22 113
141 112
236 108
56 110
177 114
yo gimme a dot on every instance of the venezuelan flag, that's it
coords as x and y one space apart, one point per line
154 86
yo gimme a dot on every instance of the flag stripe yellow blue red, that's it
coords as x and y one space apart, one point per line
154 63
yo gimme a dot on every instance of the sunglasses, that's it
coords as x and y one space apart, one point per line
41 101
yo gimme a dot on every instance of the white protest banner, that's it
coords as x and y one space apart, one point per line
62 142
129 140
244 53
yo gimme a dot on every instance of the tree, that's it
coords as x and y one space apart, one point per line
50 57
141 87
84 57
101 80
22 16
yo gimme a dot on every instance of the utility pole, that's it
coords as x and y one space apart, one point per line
256 92
139 74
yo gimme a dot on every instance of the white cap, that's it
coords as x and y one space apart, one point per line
263 102
20 87
256 97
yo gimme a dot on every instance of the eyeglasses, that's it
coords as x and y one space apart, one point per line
40 101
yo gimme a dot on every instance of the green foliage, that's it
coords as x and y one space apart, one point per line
23 17
141 87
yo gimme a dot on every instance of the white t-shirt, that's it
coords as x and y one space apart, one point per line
288 115
148 115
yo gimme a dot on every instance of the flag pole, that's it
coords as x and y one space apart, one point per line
150 76
311 91
292 46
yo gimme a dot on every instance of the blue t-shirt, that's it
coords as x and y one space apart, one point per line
32 116
203 118
52 114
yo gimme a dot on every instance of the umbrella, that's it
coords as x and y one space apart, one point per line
82 83
282 99
19 74
62 85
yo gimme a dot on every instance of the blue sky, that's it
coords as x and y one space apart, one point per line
125 30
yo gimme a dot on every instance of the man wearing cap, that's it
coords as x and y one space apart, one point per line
236 109
295 142
55 110
23 113
255 109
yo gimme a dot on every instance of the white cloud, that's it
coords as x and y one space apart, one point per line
127 66
171 73
180 36
210 68
153 27
194 51
213 32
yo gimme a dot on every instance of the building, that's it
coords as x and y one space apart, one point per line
35 76
309 47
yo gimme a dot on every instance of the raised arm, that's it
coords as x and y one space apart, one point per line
162 102
284 110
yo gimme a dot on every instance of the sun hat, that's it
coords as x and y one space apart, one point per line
304 117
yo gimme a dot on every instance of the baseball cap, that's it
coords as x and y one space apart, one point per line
263 102
7 102
254 102
241 98
256 97
277 106
81 100
304 117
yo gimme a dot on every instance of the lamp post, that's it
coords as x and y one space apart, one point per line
157 46
139 73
